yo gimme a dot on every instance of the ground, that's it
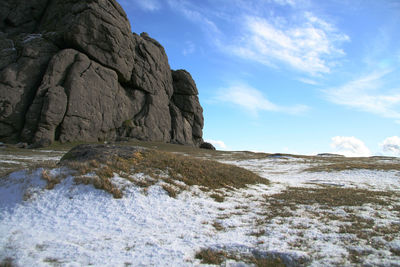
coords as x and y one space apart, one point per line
310 211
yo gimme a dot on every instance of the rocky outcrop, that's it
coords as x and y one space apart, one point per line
186 112
206 145
73 71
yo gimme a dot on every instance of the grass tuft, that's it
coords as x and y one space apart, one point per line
218 197
7 262
172 192
209 256
51 181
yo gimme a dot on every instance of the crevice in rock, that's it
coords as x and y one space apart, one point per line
79 49
41 17
9 23
57 132
144 110
173 124
31 97
83 72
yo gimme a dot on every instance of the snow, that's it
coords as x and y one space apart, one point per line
31 37
291 173
78 225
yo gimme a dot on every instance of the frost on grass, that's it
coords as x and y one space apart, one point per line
170 212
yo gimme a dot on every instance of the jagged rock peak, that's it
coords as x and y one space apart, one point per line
72 70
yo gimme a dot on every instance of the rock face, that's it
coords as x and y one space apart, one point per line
73 70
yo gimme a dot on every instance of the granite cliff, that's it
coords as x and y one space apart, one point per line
72 70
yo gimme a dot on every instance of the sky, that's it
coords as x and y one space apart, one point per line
286 76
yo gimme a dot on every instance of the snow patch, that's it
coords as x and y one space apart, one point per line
31 37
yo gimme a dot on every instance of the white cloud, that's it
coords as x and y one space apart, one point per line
308 81
192 13
253 30
190 48
363 94
307 46
391 145
217 143
253 100
350 147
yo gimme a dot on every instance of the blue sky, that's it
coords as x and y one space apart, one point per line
291 76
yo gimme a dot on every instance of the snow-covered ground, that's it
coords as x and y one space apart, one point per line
77 225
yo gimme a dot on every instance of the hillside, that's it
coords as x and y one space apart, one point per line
290 211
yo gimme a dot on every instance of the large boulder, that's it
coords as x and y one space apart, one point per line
72 70
187 114
98 28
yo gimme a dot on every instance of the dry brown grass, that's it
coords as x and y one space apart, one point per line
285 204
218 257
103 183
6 169
171 190
51 181
7 262
218 197
343 164
102 179
218 226
209 256
170 168
258 233
193 171
53 261
332 196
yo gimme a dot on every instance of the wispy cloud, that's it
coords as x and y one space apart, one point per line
308 46
350 146
365 94
189 48
308 81
148 5
391 145
194 14
254 101
300 39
